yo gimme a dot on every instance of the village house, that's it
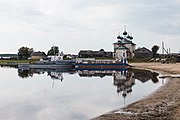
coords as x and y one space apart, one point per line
143 53
38 55
95 54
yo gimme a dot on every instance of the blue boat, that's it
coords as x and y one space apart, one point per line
101 65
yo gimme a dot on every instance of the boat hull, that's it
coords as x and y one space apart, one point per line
34 66
91 66
48 65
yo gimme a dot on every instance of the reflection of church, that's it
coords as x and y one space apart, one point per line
124 81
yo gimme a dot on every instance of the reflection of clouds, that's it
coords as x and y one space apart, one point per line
46 104
19 110
76 98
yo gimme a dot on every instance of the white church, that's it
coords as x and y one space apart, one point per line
124 48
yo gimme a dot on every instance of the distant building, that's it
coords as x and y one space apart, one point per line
124 47
143 53
177 56
8 56
95 54
70 56
38 55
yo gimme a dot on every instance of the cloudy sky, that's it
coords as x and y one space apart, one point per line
75 25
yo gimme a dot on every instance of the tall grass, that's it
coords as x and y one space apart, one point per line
15 62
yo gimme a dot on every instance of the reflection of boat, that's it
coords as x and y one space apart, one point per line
101 65
53 62
53 73
56 75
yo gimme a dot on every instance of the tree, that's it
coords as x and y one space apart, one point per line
25 52
154 49
53 51
101 50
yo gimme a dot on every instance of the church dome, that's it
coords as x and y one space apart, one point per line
119 37
125 33
129 37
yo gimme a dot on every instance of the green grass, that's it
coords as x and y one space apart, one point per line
15 62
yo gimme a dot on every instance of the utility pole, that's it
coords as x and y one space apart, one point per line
163 49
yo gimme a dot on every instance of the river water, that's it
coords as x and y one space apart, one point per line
68 94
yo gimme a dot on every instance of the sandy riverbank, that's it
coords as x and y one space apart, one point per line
164 104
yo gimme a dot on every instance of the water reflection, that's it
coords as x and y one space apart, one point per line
80 96
123 79
53 73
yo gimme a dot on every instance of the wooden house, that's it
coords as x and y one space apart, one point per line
95 54
38 55
143 53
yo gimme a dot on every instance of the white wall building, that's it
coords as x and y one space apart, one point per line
124 47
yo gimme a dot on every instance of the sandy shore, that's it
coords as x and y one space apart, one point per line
164 104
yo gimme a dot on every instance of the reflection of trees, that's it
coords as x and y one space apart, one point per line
29 73
53 73
154 78
9 66
25 73
145 75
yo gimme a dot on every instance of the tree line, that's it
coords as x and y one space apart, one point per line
25 52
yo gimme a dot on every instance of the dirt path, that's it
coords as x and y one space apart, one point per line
164 104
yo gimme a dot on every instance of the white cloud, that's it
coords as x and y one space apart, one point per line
85 24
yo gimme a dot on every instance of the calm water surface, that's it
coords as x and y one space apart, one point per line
70 95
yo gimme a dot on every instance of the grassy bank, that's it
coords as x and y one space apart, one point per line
15 62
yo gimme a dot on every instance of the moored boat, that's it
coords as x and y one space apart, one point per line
54 62
101 65
49 64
